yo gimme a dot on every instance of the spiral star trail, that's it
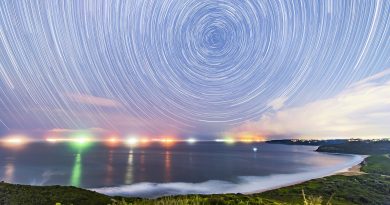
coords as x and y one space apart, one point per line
180 66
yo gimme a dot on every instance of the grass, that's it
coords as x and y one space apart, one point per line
377 165
24 194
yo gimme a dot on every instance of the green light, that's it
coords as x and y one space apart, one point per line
76 171
81 141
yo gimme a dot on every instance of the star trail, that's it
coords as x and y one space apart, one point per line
183 66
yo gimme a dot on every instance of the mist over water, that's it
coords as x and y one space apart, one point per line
156 170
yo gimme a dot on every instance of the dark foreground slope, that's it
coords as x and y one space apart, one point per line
25 194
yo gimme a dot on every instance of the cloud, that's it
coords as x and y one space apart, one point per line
97 133
361 110
277 103
92 129
93 100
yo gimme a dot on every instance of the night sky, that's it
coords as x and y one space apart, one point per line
196 67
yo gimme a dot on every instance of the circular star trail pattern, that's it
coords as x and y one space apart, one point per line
178 66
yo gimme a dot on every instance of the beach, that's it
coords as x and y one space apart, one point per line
245 184
350 169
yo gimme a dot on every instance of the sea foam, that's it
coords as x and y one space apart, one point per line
244 184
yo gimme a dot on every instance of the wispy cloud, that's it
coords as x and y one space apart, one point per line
277 103
92 129
361 110
93 100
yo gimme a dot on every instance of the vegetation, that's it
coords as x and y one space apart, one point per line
365 147
307 142
25 194
377 165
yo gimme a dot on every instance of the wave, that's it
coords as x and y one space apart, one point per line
244 184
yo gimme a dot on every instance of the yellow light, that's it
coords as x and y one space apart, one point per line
81 140
167 140
246 140
52 140
230 140
14 141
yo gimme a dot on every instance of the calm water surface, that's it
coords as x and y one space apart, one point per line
99 165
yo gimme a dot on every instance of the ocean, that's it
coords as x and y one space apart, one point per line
155 169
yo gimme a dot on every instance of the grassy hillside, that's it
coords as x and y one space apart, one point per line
377 165
24 194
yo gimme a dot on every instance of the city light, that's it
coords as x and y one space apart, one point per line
132 141
167 141
227 140
191 140
14 141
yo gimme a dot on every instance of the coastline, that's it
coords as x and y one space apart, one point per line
368 188
245 185
349 170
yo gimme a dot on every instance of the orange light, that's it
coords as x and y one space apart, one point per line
15 141
113 140
248 138
144 142
167 141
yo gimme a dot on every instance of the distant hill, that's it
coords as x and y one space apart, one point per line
307 142
365 147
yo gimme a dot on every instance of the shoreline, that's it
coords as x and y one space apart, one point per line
246 185
346 171
348 189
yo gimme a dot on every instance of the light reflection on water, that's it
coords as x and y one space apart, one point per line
76 171
129 169
167 165
9 172
110 168
97 165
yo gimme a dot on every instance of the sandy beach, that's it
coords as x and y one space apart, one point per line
349 169
245 184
